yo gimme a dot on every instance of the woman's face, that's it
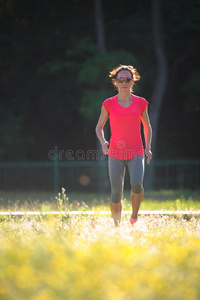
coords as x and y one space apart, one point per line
124 85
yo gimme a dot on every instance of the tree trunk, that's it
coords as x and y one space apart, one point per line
100 37
161 77
159 87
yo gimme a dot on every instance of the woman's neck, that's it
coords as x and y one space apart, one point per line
124 96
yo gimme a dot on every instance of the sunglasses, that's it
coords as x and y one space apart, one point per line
127 80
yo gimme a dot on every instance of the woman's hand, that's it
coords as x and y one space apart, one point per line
148 155
105 147
147 134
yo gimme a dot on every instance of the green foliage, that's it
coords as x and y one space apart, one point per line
91 104
92 69
12 137
97 67
80 48
53 67
53 75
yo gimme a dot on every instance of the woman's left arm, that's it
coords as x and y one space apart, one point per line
147 134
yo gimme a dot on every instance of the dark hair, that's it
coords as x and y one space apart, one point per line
134 73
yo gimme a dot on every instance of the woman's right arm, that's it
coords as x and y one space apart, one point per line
99 130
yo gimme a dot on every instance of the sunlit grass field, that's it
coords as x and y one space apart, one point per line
87 257
46 201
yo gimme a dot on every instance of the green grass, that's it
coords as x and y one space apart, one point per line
169 200
153 200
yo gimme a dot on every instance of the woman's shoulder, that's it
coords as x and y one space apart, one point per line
140 99
108 103
110 100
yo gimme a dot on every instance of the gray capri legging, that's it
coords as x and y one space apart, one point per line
116 168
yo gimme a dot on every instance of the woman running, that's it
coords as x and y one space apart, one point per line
125 111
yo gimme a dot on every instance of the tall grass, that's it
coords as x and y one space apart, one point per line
84 257
46 201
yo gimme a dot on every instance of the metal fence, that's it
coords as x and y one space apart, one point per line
91 176
176 174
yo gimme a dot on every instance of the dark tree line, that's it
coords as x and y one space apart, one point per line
54 62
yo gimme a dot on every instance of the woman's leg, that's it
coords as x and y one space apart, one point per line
116 170
136 201
136 171
116 209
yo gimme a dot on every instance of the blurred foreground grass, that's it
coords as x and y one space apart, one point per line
153 200
84 257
